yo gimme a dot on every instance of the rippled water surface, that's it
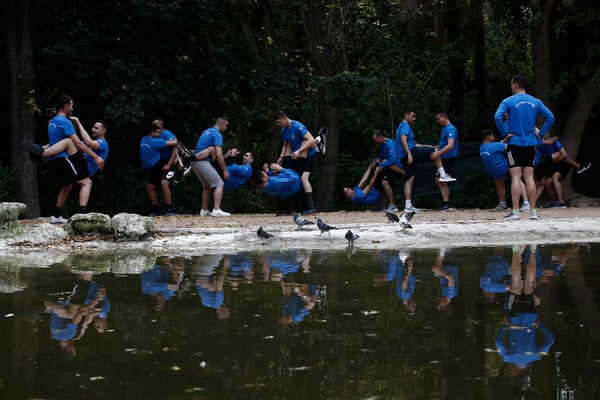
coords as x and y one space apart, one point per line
426 324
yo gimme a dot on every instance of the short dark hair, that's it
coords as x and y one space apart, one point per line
485 133
151 128
442 113
62 101
104 124
520 80
378 133
279 114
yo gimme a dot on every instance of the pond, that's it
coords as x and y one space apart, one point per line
460 323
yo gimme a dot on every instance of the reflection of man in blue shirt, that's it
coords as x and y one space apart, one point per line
495 276
448 276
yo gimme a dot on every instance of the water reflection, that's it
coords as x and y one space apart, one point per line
518 341
442 323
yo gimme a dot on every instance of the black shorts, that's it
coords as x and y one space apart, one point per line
386 175
68 170
300 165
516 304
156 173
544 168
448 164
518 156
562 168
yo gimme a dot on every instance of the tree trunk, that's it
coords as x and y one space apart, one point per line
327 166
21 102
588 96
542 54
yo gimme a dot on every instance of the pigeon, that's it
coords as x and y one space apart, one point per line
324 227
263 234
301 221
392 217
405 219
351 237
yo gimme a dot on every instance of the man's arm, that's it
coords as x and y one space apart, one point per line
308 142
82 147
221 161
87 139
438 153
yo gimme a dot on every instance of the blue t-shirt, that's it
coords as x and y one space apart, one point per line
449 132
211 298
405 129
361 199
209 138
521 346
492 155
493 278
449 291
405 294
102 153
165 153
156 281
59 127
238 175
284 184
295 136
150 148
285 262
388 151
523 111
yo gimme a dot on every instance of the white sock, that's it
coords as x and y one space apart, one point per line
441 171
526 203
407 203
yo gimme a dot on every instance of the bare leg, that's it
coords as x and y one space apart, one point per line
217 197
65 144
305 182
501 190
515 186
166 190
206 192
529 185
152 196
63 194
444 190
84 191
388 191
558 187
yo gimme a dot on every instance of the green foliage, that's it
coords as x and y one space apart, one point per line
7 192
477 190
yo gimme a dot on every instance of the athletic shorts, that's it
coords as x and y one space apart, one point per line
562 168
68 170
207 174
448 164
155 174
518 156
300 165
386 175
544 168
519 303
422 153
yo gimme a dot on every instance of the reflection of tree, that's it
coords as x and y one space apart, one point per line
10 280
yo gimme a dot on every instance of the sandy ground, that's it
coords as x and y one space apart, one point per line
191 234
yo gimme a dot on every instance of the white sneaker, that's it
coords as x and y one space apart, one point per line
57 220
411 209
525 207
513 215
220 213
447 178
205 213
392 208
533 214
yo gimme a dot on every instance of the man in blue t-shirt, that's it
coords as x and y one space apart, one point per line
447 151
298 153
493 156
523 111
279 182
151 146
411 153
387 168
238 173
212 181
361 195
69 166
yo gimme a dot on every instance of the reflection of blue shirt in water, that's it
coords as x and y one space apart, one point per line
295 306
155 281
62 328
211 298
449 291
405 294
521 346
240 264
283 184
285 262
361 199
390 264
492 279
103 304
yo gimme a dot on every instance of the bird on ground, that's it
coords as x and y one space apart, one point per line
392 217
405 219
301 221
351 237
323 227
263 234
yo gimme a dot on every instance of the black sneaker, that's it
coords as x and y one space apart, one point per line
35 151
584 167
322 145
